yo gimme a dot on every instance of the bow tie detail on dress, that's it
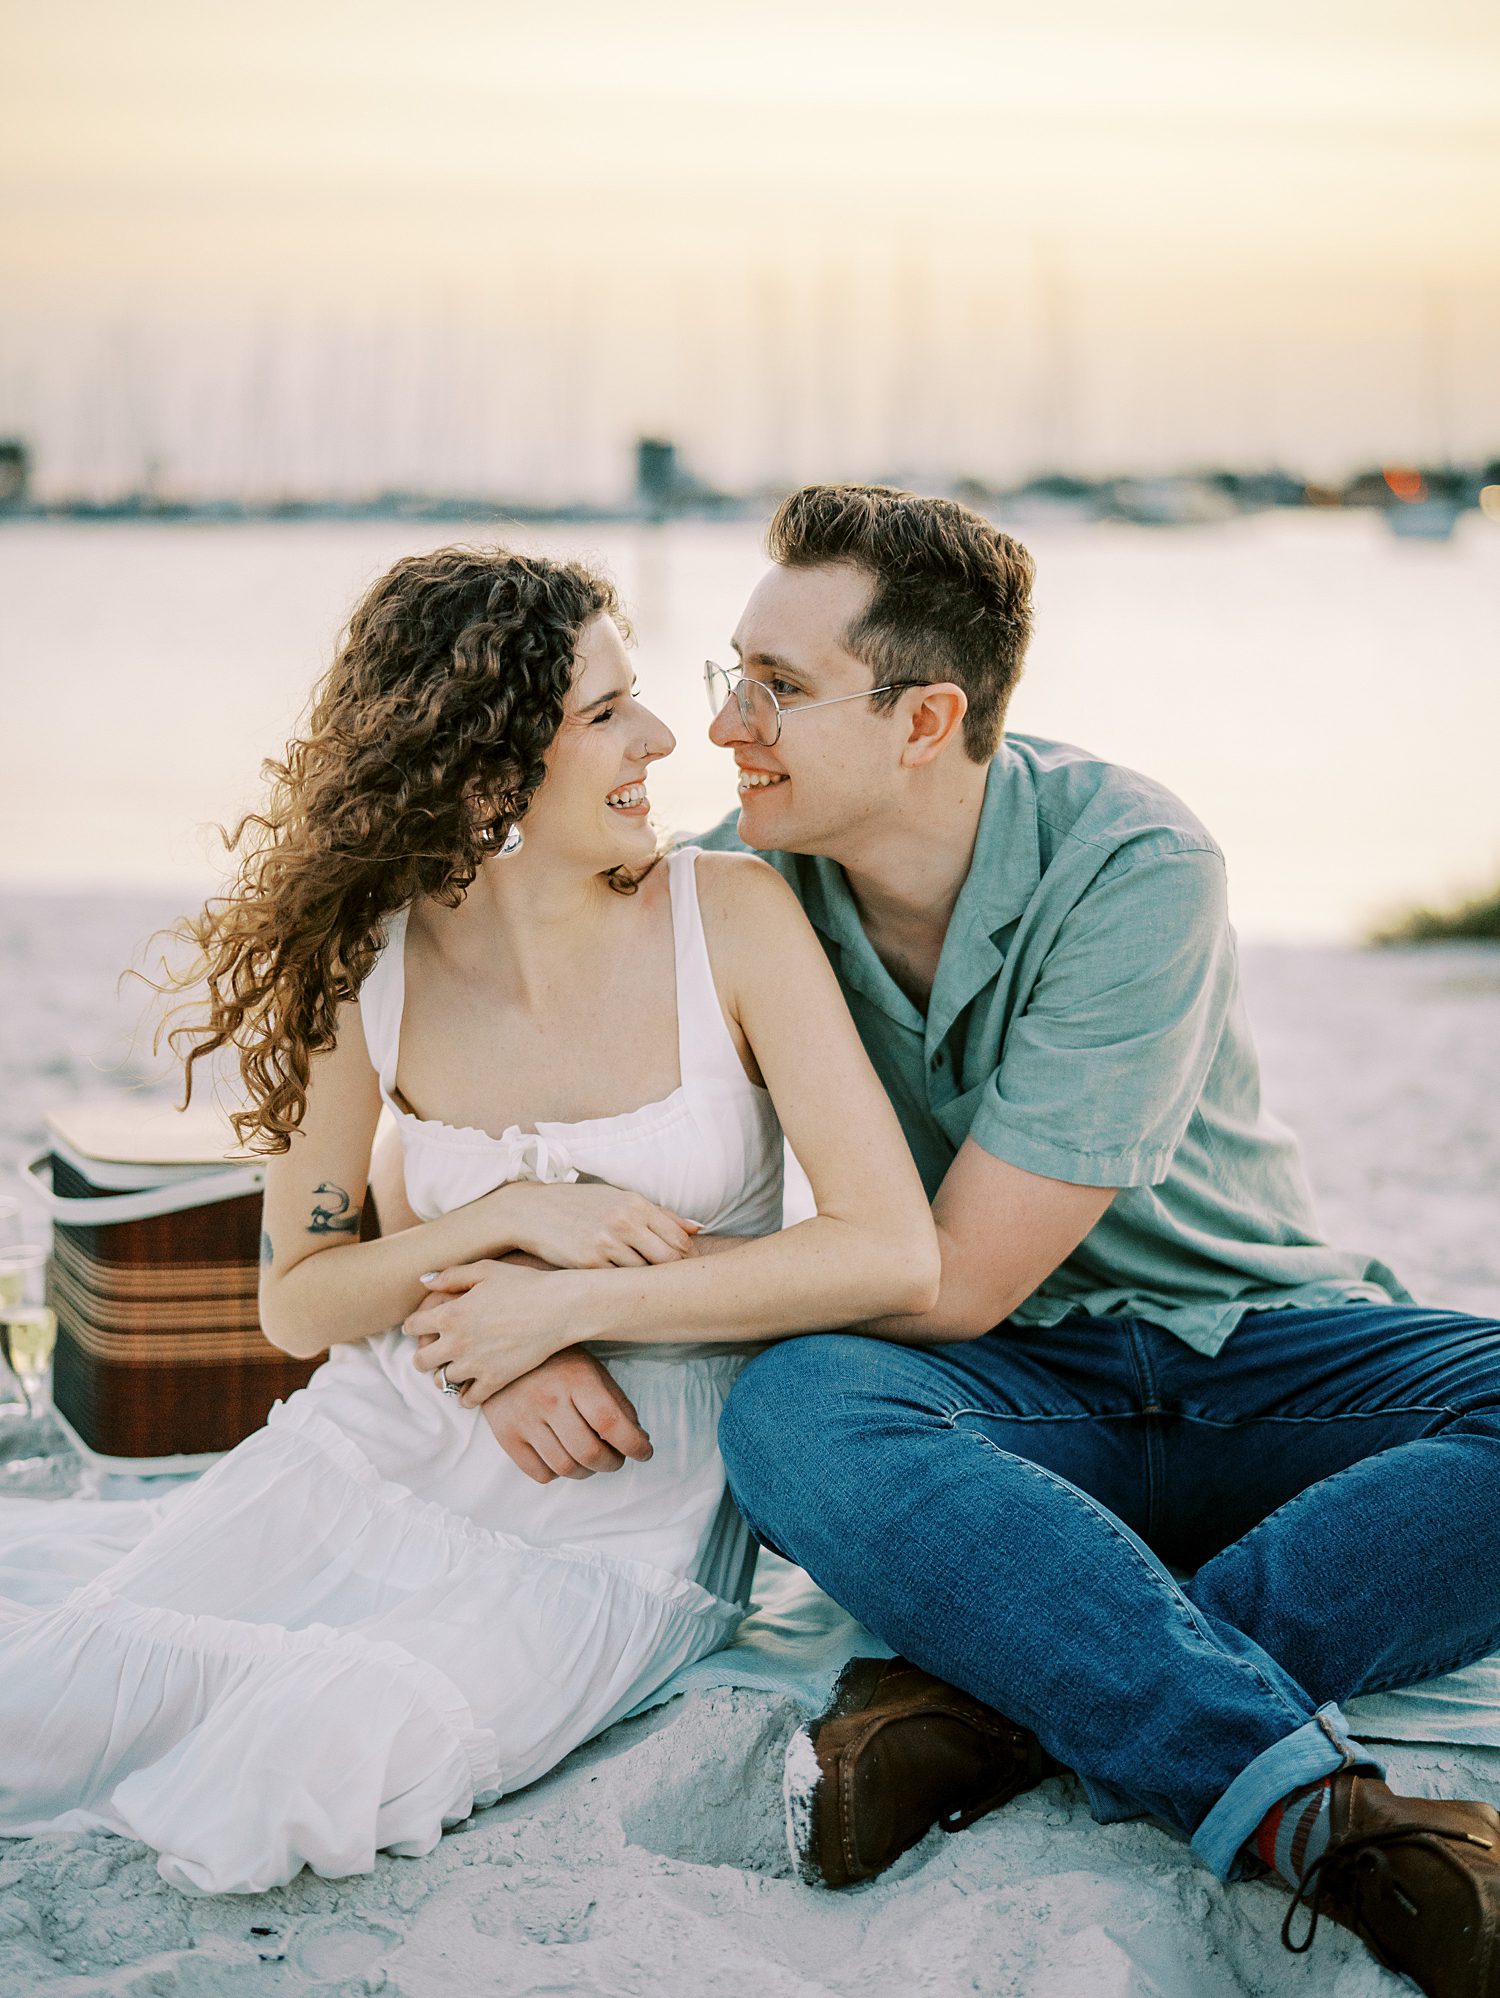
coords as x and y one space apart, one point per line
528 1155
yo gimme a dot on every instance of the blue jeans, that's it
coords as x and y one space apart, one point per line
1003 1513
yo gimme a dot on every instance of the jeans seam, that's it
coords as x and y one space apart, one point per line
1145 1376
1084 1415
1186 1611
1468 1656
1188 1415
1277 1517
1347 1415
1150 1399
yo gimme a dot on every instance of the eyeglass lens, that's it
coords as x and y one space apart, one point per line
757 706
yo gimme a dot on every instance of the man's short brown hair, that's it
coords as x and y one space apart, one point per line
952 593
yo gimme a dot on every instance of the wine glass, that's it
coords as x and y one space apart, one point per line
28 1324
10 1221
35 1455
13 1402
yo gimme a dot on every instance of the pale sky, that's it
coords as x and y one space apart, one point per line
245 240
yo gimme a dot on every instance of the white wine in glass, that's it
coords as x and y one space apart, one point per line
28 1333
28 1328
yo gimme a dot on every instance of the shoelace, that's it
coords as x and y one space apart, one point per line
1324 1873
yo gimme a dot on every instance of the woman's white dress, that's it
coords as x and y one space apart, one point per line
364 1621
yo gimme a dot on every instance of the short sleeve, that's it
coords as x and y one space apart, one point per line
1099 1075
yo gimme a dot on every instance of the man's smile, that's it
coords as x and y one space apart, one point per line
758 780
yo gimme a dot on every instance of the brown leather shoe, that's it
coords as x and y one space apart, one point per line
1418 1881
896 1753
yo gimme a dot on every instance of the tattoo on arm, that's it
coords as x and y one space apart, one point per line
265 1250
335 1215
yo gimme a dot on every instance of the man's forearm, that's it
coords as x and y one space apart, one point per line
961 1311
1002 1232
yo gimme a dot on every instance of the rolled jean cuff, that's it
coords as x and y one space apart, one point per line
1311 1752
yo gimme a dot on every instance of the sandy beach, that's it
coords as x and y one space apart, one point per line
653 1860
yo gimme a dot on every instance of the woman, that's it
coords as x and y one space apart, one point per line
365 1620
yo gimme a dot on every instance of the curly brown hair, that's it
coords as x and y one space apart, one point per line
952 594
425 743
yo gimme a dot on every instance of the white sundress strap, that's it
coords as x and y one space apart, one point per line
705 1047
382 999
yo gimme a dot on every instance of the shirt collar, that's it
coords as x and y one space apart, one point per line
830 909
1003 876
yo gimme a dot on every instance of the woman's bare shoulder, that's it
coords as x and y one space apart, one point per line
732 886
752 922
729 874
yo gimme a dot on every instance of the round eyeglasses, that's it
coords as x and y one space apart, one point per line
761 712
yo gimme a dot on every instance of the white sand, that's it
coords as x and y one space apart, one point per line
654 1860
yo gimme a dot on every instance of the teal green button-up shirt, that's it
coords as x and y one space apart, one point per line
1086 1023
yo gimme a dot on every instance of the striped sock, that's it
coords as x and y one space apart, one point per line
1294 1832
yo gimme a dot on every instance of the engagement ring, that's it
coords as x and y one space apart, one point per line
441 1377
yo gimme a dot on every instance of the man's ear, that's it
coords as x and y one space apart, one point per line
933 722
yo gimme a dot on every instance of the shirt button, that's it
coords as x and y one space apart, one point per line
937 1061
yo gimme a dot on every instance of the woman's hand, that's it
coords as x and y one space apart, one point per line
590 1226
488 1323
568 1418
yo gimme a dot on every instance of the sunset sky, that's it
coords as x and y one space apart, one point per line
459 243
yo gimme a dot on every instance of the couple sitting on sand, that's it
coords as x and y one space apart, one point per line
1059 1392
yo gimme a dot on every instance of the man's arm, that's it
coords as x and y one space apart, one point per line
1002 1232
1093 1090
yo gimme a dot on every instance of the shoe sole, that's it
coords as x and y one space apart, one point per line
802 1773
800 1776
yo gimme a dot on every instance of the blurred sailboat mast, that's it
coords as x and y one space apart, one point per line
1439 446
1056 373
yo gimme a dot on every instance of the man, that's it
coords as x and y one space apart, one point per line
1143 1352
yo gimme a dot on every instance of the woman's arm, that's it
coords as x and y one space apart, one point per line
871 1238
321 1286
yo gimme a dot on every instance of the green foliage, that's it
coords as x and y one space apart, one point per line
1472 922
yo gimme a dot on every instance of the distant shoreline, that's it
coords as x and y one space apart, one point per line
1421 502
238 513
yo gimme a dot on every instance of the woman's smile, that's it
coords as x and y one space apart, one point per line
630 799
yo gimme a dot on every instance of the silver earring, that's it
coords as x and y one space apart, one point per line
490 842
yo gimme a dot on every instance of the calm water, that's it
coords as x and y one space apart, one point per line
1326 698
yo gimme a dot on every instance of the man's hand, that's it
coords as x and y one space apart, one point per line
566 1419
